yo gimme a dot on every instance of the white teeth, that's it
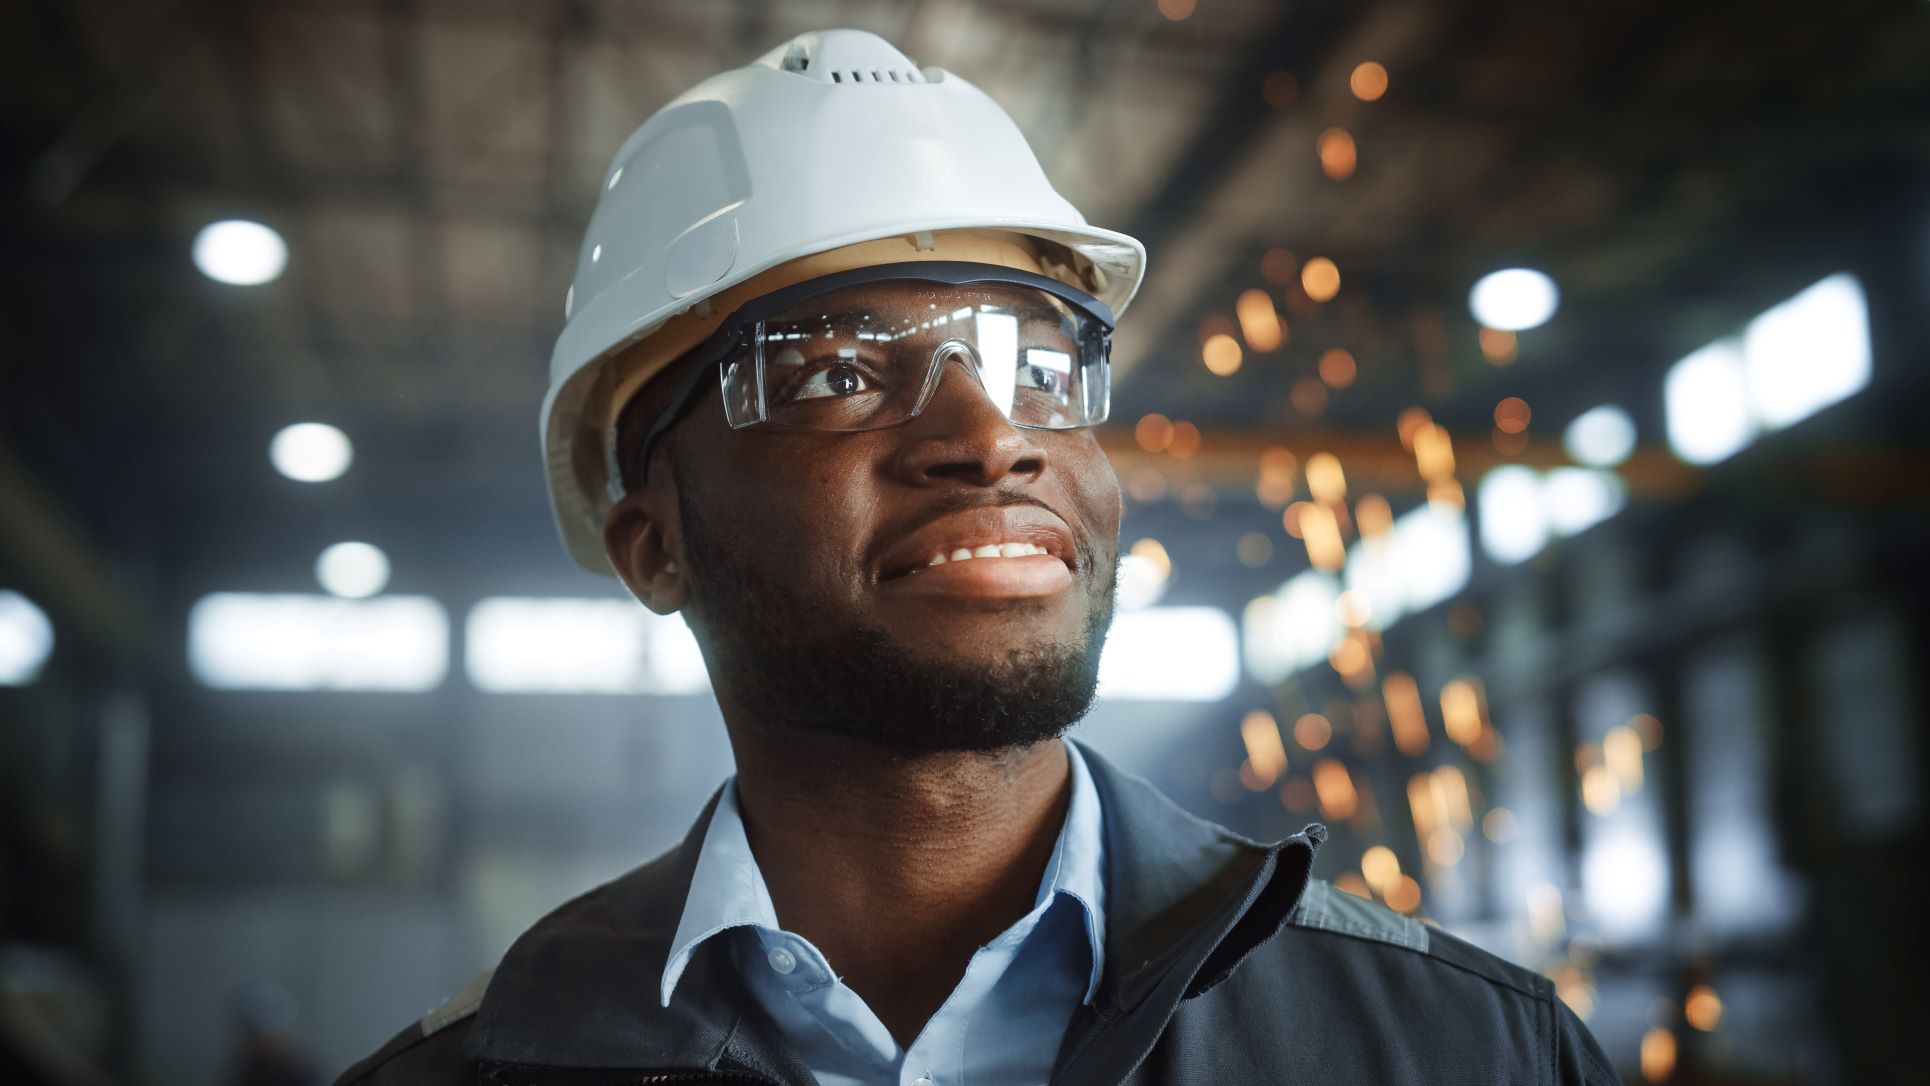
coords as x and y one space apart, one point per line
989 550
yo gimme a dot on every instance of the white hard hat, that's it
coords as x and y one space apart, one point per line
830 140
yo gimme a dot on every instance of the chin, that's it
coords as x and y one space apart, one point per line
976 648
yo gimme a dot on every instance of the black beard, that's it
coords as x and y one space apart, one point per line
793 669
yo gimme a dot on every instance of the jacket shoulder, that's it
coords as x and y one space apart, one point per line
1324 908
1487 994
428 1050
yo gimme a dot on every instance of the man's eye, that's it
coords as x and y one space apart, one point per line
836 380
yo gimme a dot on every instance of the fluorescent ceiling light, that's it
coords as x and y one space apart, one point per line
311 452
26 639
240 252
1514 299
1600 437
353 570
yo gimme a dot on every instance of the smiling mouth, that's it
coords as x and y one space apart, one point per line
978 553
988 550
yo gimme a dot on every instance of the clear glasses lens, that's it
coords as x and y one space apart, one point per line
869 357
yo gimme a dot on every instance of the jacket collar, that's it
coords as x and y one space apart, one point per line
576 989
1178 887
727 889
1185 901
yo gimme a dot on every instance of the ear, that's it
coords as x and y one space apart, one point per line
644 542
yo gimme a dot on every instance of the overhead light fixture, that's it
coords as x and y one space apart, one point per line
353 570
240 252
1514 299
1600 437
26 639
311 452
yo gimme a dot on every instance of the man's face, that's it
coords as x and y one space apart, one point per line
808 558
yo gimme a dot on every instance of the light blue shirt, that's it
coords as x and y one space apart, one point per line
1000 1027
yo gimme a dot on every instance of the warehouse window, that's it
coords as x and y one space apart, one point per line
1789 363
580 646
1295 627
1424 560
1170 654
1706 398
1521 509
1807 353
248 641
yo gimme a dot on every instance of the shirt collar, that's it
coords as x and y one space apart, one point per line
1077 867
728 891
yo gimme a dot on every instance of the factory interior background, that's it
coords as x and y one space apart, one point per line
1523 428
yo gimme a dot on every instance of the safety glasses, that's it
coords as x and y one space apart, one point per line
865 350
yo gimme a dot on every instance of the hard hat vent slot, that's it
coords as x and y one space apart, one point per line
879 75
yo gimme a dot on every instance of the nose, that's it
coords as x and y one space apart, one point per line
961 435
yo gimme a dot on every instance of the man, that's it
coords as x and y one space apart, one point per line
833 355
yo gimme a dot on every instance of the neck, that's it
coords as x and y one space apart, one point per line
899 867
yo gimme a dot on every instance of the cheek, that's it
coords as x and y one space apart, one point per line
801 518
1101 500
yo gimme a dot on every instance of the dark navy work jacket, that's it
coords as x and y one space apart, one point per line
1225 963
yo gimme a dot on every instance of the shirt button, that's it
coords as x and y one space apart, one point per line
782 960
